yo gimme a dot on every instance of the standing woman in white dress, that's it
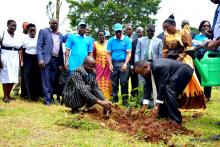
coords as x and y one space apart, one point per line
9 59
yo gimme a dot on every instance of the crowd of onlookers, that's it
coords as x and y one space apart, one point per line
41 61
41 64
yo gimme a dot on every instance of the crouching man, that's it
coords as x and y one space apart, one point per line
81 89
171 77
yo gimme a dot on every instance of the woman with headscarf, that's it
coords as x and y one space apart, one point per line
175 43
9 58
102 67
204 36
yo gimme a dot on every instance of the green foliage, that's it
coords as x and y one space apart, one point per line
105 13
194 30
134 101
49 10
78 123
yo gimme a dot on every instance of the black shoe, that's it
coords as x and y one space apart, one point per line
217 123
215 138
75 110
23 95
46 103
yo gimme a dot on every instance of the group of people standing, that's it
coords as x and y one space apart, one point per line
97 68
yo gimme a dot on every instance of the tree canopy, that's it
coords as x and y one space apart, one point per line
105 13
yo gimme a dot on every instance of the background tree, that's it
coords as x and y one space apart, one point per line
51 9
194 30
105 13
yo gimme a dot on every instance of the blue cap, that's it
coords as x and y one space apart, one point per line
117 27
82 23
107 33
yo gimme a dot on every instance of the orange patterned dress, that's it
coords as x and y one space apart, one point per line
174 46
102 68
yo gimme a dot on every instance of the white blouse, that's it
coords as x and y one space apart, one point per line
30 44
9 41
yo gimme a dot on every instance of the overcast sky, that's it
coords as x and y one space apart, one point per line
35 11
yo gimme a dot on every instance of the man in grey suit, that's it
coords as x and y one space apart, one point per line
50 58
149 47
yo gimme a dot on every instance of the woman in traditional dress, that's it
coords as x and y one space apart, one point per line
31 68
204 36
175 43
9 58
102 67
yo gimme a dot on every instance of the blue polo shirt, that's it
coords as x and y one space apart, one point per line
119 48
79 46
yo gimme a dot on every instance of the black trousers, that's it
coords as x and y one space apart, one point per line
48 77
32 77
123 77
174 88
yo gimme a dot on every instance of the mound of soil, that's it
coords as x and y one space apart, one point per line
143 128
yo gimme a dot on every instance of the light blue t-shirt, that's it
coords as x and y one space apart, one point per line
199 39
79 46
119 48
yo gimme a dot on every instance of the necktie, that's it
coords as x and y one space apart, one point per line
154 89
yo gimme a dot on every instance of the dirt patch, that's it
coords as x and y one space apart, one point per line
142 128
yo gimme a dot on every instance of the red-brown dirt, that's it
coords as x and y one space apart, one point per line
143 128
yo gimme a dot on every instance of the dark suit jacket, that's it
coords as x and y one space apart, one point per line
134 44
45 46
166 72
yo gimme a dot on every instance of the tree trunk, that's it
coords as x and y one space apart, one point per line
57 9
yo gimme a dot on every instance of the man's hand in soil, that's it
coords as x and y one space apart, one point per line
141 111
105 104
154 111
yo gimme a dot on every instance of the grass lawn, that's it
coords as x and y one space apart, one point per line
24 123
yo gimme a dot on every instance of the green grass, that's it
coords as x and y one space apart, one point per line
32 124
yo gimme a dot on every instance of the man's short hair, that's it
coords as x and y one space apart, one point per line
139 28
140 63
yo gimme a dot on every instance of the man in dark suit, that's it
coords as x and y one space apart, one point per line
171 77
50 58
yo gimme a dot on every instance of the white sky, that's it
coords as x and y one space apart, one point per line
35 11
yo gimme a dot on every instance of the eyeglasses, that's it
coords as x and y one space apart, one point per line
119 31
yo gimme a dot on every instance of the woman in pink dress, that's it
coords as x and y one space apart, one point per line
102 67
